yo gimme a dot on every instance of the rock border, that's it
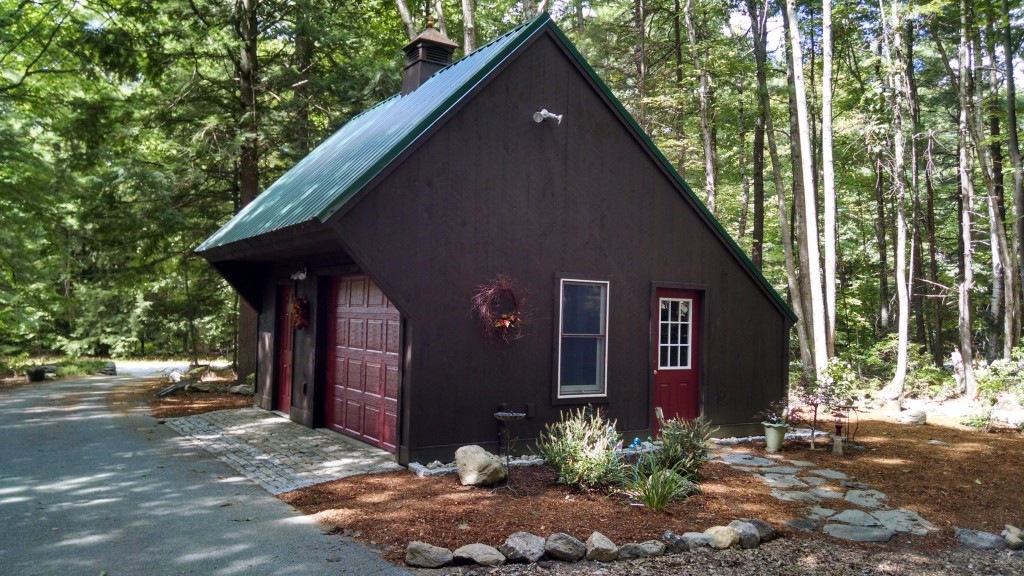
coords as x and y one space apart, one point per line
527 548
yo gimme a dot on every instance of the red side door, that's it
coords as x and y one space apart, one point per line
285 331
363 377
675 330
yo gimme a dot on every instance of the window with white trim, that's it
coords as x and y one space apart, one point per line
583 338
675 331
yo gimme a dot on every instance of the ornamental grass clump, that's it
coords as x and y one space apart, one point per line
581 447
656 484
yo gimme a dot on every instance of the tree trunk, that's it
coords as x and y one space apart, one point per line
917 287
968 385
407 21
741 138
710 162
828 177
883 250
640 59
468 26
760 50
799 229
810 210
933 264
248 165
1013 147
893 37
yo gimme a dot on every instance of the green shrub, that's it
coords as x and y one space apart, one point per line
581 447
75 367
685 446
656 484
980 419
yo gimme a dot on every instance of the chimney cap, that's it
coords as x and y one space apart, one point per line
432 35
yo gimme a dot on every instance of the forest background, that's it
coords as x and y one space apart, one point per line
877 182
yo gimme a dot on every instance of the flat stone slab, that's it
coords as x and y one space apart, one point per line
814 480
795 496
826 493
858 533
781 480
801 463
905 521
749 468
980 540
856 518
802 525
830 474
866 498
746 459
819 513
780 470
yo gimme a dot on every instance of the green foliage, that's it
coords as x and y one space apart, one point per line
685 446
1002 376
581 447
980 419
656 484
73 367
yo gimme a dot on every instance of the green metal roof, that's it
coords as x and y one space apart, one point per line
338 168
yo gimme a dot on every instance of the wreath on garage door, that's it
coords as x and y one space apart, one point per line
300 313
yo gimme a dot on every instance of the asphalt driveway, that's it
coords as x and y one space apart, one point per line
84 490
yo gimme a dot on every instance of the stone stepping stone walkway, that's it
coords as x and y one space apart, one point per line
800 481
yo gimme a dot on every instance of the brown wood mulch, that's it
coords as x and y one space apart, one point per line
973 482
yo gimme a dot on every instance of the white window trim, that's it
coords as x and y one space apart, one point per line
689 335
558 366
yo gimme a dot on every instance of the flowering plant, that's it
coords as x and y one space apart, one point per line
777 414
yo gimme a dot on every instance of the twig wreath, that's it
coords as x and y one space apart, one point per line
300 313
498 309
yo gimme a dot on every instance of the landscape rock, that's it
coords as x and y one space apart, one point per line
749 536
746 459
481 554
1013 530
795 496
979 540
648 549
826 493
866 498
478 467
724 536
905 521
674 543
1013 542
915 417
802 525
856 518
562 546
781 480
830 474
35 374
108 369
600 548
765 531
859 533
523 547
423 555
174 376
814 480
698 540
243 389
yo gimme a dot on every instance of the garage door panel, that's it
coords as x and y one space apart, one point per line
364 379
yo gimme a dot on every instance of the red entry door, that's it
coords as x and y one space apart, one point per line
362 371
285 331
676 338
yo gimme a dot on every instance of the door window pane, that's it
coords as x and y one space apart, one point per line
674 333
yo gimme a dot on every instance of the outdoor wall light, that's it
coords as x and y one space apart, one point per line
543 114
299 275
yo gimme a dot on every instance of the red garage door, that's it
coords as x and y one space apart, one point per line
362 379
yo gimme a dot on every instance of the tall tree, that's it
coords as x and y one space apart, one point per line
1012 143
828 176
704 92
966 163
468 26
809 207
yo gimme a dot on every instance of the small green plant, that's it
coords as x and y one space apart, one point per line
74 367
656 485
581 447
685 445
980 420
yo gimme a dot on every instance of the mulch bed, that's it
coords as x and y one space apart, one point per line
972 483
180 403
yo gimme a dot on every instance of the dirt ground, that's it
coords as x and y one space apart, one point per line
972 481
180 403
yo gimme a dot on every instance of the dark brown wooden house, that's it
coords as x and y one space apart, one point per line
517 160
